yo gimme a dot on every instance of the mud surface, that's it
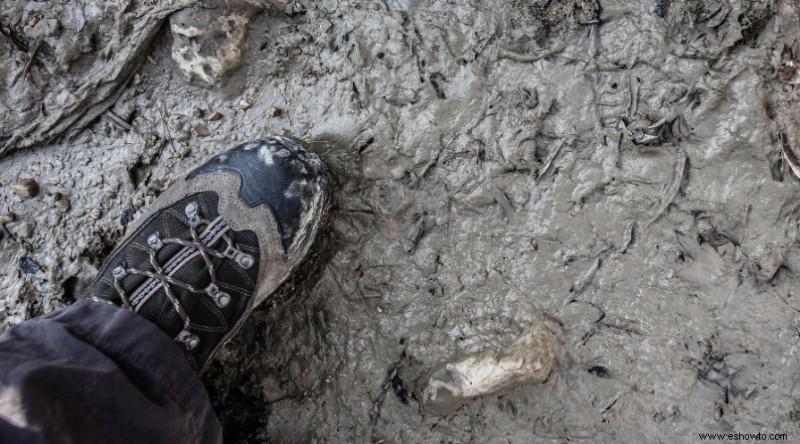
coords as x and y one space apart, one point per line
486 179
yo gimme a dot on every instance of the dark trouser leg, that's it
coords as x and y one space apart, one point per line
95 373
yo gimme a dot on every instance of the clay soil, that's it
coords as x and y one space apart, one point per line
612 169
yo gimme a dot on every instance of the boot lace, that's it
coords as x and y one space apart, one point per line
194 221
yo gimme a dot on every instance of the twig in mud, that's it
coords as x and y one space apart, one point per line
788 155
419 232
9 233
621 324
504 53
627 237
633 95
29 63
604 321
608 407
549 161
595 327
673 188
666 129
594 49
584 281
508 209
111 116
166 128
24 47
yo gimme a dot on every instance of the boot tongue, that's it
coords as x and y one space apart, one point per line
183 264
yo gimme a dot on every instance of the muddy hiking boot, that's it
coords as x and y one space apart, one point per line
217 242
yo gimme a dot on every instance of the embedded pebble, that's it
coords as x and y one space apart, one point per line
96 213
527 360
275 111
127 216
25 188
8 217
27 265
200 129
63 205
183 136
245 104
207 42
215 116
298 8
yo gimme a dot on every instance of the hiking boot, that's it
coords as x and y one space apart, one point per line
218 242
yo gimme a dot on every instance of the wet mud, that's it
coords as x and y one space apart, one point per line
613 171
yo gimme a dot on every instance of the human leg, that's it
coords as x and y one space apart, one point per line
96 373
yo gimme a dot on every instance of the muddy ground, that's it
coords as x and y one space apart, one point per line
611 169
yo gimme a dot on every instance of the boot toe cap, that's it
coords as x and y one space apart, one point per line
283 174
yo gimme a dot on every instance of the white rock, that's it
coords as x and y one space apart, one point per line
207 42
527 360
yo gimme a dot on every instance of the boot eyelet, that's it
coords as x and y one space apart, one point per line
244 260
188 340
119 272
222 300
191 214
230 252
212 290
155 242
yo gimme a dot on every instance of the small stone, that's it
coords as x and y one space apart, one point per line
275 111
96 213
151 60
527 360
245 104
63 205
215 116
25 229
298 8
137 79
127 216
32 22
25 188
183 136
207 42
27 265
200 129
8 217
